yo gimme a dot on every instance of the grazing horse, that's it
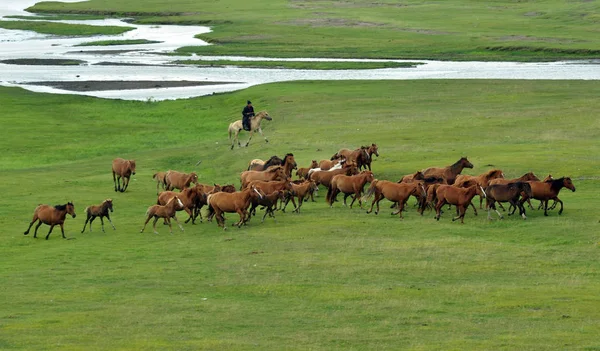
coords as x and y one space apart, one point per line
507 193
482 179
349 185
549 190
51 215
273 173
167 212
159 177
179 180
301 190
448 173
99 211
236 127
395 192
122 169
238 202
189 198
260 165
302 172
460 197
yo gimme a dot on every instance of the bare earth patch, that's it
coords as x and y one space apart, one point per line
100 85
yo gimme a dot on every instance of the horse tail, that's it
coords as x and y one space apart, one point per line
329 196
370 191
86 209
229 131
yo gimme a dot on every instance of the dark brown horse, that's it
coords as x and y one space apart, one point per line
460 197
167 212
396 192
349 185
549 190
510 192
99 211
237 202
179 180
268 188
260 165
448 173
122 169
51 215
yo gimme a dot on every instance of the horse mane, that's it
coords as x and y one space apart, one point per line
557 184
273 168
283 163
61 207
273 161
492 172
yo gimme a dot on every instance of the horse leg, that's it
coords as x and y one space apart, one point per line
36 229
242 217
146 222
261 133
111 223
372 204
115 180
85 224
30 224
50 231
101 223
521 210
250 138
177 221
191 214
561 204
438 208
461 213
345 197
125 184
545 207
154 224
118 183
474 209
62 230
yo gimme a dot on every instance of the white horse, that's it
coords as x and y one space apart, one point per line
236 127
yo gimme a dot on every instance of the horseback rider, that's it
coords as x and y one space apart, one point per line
247 114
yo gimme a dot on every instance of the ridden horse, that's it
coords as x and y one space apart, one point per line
99 211
160 180
189 197
260 165
448 173
302 172
396 192
273 173
349 185
51 215
122 169
301 189
482 179
549 190
167 212
236 127
179 180
507 193
238 202
460 197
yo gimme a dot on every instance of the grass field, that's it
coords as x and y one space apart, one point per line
447 30
325 279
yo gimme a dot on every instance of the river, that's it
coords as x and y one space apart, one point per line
147 62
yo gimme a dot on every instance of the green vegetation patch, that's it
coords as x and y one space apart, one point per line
59 17
326 278
119 42
299 64
43 62
64 29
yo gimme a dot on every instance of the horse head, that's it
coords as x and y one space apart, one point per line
256 192
465 163
265 115
71 209
368 176
567 183
374 149
109 204
132 166
314 164
548 178
289 159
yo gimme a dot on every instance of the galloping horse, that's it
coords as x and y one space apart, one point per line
179 180
51 215
189 197
482 179
289 163
260 165
99 211
273 173
508 193
122 169
349 185
167 212
236 127
373 149
359 156
302 172
460 197
549 190
237 202
395 192
448 173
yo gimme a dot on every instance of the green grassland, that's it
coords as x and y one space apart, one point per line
328 278
446 30
54 28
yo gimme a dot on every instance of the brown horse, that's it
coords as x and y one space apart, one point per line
269 202
122 169
349 185
507 193
549 190
179 180
237 202
359 156
448 173
409 178
301 190
289 163
51 215
396 192
302 172
260 165
159 177
460 197
268 188
524 178
273 173
167 212
99 211
189 198
325 165
482 179
325 177
236 127
373 149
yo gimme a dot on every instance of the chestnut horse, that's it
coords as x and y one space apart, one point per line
507 193
325 177
167 212
549 190
395 192
301 190
448 173
371 150
159 177
349 185
460 197
273 173
482 179
525 177
359 156
99 211
189 197
122 169
302 172
236 127
409 178
51 215
179 180
237 202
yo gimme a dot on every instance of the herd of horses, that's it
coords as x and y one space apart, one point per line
269 185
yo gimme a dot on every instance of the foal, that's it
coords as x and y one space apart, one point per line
51 215
167 212
99 211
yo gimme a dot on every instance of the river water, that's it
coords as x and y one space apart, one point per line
147 62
